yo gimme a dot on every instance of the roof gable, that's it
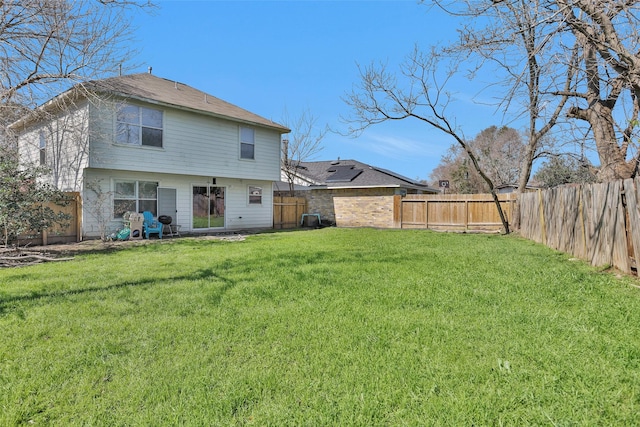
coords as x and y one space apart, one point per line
149 88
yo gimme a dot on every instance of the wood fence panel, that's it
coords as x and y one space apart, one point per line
562 219
413 213
444 214
71 232
599 223
633 214
620 255
454 211
573 241
530 219
551 218
604 220
287 211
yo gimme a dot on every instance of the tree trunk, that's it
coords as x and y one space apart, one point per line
613 163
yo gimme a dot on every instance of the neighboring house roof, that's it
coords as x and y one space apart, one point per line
149 88
354 174
282 186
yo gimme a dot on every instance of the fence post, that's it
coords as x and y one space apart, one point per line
397 211
426 213
466 215
584 230
78 200
543 227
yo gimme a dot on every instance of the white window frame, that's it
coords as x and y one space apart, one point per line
135 197
247 139
255 194
130 128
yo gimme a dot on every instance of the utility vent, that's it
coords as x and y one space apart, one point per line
343 173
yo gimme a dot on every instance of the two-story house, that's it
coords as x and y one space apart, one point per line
143 143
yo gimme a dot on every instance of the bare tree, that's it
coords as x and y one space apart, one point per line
47 45
301 144
564 169
499 151
576 59
454 167
516 37
607 94
421 95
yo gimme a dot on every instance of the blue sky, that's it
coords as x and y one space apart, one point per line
275 56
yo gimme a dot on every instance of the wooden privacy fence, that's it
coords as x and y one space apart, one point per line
71 233
463 212
287 211
599 223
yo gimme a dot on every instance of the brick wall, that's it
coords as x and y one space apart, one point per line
366 211
322 201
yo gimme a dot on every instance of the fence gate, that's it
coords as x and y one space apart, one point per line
287 211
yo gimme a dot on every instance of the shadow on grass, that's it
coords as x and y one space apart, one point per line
7 302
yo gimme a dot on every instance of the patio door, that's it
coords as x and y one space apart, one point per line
167 203
208 206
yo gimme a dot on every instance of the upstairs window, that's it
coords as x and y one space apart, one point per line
43 149
139 126
247 143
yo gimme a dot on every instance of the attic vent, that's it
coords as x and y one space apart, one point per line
343 173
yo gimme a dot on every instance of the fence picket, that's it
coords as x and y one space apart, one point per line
587 221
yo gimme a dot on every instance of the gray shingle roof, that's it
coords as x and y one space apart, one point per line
150 88
355 174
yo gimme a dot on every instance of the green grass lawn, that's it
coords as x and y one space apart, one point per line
324 327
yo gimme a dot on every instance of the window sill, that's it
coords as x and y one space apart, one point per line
138 147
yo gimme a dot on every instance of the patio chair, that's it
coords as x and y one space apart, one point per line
151 225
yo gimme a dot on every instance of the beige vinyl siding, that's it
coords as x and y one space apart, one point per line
238 213
192 143
241 214
66 150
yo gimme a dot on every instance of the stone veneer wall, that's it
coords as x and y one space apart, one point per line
365 211
322 201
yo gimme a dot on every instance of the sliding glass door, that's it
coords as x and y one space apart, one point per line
208 207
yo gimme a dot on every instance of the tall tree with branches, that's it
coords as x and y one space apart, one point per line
607 91
301 144
514 39
48 45
421 95
499 151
